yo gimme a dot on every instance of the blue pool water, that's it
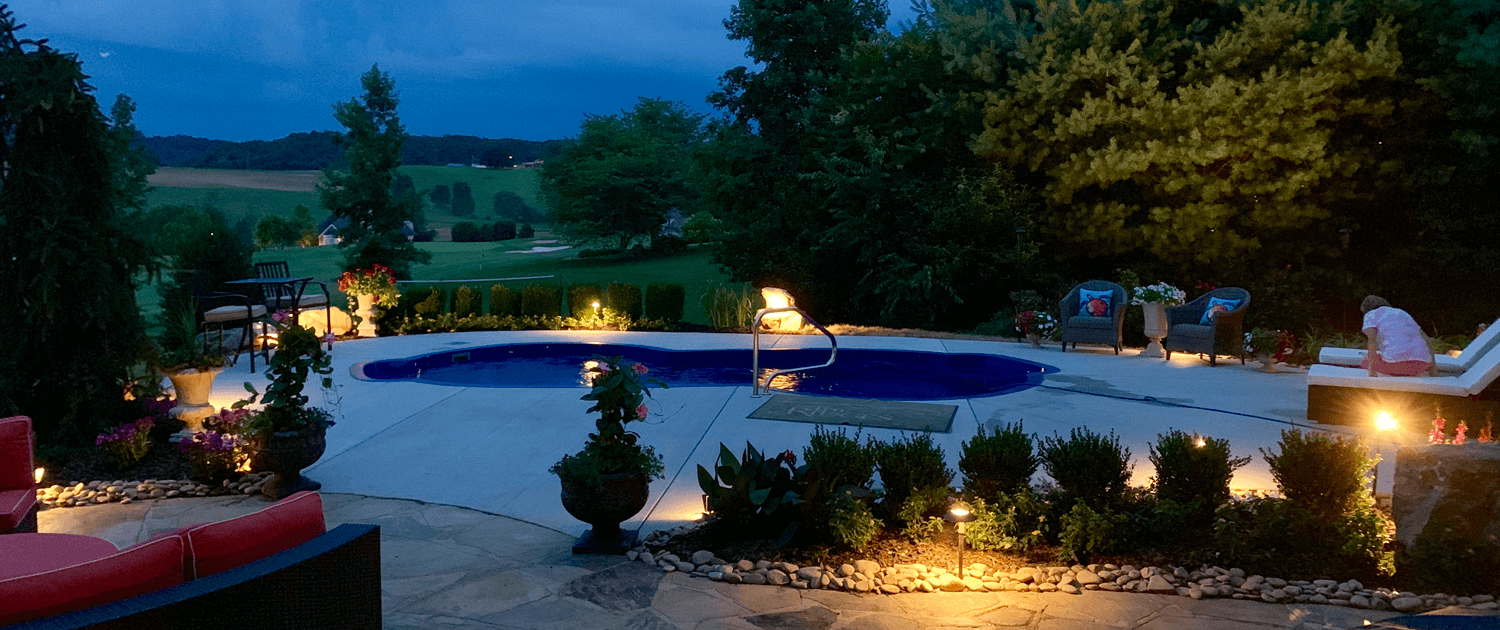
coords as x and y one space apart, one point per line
858 373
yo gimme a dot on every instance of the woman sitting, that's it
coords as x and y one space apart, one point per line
1397 345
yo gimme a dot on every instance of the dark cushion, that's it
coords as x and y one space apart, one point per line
1193 330
1102 323
224 545
136 571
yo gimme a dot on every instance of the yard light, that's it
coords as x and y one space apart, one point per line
779 298
1198 441
39 472
958 514
1383 423
596 306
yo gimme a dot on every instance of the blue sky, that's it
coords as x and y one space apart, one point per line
243 70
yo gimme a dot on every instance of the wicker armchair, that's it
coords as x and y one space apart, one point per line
1223 334
1082 328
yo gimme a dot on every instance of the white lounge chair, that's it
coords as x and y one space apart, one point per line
1348 395
1352 357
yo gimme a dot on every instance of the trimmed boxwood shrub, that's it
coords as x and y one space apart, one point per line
907 465
503 231
1000 462
625 298
581 298
467 301
1187 473
665 301
541 300
1088 467
1323 474
425 301
504 301
525 231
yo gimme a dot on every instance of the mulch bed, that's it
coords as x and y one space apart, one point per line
71 466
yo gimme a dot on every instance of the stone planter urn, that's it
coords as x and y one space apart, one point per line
366 313
616 499
286 453
1034 339
1267 361
1155 329
192 388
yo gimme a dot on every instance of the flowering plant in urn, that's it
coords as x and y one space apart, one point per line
618 389
1159 293
378 280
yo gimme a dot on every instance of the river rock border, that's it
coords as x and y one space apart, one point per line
121 491
868 576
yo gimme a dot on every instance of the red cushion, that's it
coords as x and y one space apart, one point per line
15 453
224 545
14 504
135 571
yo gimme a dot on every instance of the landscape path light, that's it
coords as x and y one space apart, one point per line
958 514
1383 423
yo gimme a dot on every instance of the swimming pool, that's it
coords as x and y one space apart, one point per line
858 373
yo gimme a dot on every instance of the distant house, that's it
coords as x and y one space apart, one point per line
330 234
675 221
531 164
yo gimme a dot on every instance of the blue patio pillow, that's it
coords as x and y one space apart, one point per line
1217 305
1094 303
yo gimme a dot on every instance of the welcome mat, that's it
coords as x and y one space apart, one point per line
906 416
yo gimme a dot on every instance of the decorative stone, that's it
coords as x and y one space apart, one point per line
867 567
777 577
889 589
1448 483
1159 584
846 570
1407 604
809 573
744 565
1087 577
754 578
702 557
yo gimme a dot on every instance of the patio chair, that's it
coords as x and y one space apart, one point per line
1349 395
1352 357
1188 330
17 480
220 311
293 297
1107 329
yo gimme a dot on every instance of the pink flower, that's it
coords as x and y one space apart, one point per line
1435 436
640 412
1459 432
604 367
639 369
280 316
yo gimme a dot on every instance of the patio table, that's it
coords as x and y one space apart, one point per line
25 554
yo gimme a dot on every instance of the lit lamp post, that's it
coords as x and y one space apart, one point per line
959 514
1383 423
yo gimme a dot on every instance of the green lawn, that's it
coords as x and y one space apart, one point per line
483 261
236 202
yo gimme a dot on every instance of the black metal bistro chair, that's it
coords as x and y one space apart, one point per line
294 296
221 311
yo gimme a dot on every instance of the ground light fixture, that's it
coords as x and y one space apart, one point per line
958 514
39 473
1384 423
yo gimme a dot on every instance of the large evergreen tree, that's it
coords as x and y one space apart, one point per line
67 287
363 193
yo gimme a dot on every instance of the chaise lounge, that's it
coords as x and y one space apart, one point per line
1348 395
1352 357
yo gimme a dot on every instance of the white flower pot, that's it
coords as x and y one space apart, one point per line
1155 328
366 313
192 389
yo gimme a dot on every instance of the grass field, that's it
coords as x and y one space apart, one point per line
483 262
260 193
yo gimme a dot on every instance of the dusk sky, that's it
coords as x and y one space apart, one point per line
242 70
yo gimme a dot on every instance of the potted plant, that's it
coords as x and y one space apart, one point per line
286 435
370 287
1154 300
191 364
1268 346
609 481
1035 325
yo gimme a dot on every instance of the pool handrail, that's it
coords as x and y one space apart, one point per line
755 387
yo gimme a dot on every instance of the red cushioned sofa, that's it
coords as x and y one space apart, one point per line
17 483
276 568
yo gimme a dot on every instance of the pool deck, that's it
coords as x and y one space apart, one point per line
489 448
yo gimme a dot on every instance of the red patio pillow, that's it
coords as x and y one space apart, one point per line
215 547
135 571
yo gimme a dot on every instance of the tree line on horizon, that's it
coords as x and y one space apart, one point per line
316 150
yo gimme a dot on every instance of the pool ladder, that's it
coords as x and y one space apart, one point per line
756 388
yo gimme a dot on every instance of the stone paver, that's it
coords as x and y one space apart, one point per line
448 567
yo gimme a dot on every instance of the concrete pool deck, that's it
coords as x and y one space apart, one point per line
489 448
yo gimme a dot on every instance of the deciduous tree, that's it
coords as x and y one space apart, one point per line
463 199
624 173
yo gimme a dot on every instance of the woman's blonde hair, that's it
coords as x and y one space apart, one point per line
1371 303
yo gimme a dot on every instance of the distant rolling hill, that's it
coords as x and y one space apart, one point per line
315 150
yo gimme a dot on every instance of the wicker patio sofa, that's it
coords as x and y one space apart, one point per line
330 581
